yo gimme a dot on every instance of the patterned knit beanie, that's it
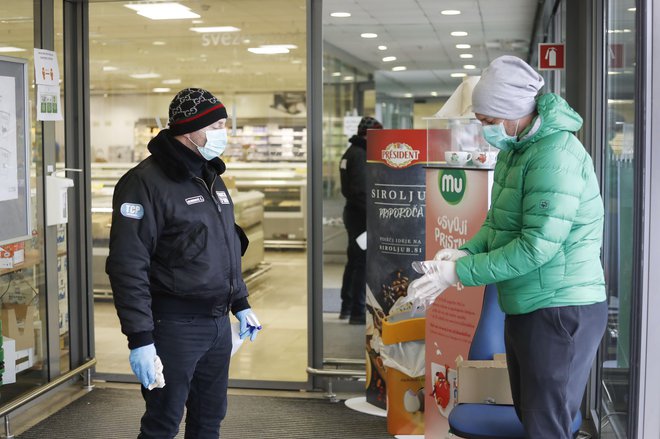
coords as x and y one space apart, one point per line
193 109
368 123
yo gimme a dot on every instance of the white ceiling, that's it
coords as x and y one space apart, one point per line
122 42
419 36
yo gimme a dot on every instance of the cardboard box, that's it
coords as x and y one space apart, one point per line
18 323
484 381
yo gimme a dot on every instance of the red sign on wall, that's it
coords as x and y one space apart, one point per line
616 56
551 56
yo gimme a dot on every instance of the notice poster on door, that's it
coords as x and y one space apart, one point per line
457 203
395 235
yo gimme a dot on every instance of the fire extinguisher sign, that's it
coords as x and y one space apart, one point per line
551 56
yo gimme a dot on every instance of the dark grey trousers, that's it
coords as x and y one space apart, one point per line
195 352
549 355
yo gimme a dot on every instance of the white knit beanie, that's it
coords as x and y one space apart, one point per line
507 89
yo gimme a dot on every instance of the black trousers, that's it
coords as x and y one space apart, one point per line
195 352
354 282
549 355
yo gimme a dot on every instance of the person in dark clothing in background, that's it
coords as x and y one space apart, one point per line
353 174
175 271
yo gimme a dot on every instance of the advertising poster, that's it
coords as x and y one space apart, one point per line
8 146
456 207
395 235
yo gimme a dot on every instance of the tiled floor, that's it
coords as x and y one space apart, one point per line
280 351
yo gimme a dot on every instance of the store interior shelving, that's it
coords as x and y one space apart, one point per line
284 186
268 143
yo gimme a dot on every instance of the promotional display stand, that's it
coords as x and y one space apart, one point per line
395 238
456 207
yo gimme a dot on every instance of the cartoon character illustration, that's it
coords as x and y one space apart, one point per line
441 391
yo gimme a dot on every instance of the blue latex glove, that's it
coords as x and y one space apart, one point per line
142 361
249 324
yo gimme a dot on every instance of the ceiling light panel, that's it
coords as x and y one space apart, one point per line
340 14
268 50
145 75
163 11
8 49
215 29
369 35
450 12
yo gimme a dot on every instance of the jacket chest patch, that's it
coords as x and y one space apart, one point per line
194 200
222 196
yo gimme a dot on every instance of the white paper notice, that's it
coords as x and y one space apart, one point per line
49 106
362 240
351 125
8 147
46 70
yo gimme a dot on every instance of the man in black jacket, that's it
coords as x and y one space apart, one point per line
353 174
175 270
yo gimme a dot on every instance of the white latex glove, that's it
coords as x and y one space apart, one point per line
422 292
438 276
442 272
450 254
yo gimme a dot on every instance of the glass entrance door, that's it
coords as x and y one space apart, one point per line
618 184
251 54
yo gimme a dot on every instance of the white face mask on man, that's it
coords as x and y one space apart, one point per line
216 142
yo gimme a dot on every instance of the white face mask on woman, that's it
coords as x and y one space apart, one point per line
216 142
497 136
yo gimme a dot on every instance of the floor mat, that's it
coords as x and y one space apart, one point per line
331 300
115 413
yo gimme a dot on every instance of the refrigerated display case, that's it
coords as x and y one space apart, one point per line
284 186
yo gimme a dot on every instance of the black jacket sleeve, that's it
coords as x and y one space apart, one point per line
133 238
356 168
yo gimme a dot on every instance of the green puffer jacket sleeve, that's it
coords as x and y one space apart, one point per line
553 181
479 242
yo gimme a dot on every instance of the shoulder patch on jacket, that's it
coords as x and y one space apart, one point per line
132 210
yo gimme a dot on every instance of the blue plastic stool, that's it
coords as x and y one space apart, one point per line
490 421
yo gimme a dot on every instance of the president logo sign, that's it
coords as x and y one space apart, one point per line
399 155
452 183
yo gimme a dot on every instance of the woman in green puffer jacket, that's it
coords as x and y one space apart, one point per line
540 244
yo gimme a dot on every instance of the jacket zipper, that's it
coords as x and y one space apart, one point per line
222 221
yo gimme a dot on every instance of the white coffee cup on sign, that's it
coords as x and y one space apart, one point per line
485 159
457 158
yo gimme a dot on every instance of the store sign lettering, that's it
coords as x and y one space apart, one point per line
452 184
221 39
